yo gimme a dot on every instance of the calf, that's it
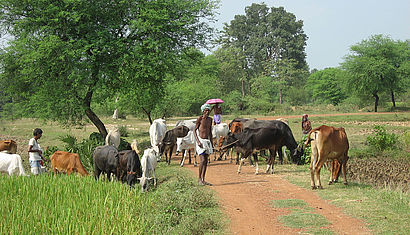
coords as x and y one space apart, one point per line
148 165
185 145
9 146
129 168
11 164
106 160
327 143
67 162
169 141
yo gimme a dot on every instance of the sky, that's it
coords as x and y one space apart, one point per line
332 26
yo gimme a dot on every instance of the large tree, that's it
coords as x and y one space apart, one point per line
377 65
62 52
266 36
326 86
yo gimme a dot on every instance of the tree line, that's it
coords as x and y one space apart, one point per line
72 61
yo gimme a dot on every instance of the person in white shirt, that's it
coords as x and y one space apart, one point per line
35 153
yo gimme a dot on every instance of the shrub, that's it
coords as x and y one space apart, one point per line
123 131
381 140
305 159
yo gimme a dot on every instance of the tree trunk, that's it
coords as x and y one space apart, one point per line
148 114
243 88
280 96
376 102
392 98
97 122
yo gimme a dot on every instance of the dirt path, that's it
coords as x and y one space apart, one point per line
246 198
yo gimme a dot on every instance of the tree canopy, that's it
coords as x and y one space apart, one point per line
378 65
62 52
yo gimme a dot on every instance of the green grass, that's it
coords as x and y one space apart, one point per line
48 204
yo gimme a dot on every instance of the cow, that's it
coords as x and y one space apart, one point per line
106 160
11 164
327 143
185 145
157 132
148 166
190 123
271 137
9 146
67 162
129 169
218 131
169 141
113 138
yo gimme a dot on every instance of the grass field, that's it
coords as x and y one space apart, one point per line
60 205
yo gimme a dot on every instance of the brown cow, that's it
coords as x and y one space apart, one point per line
67 162
8 145
327 144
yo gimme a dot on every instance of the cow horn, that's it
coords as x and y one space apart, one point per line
229 145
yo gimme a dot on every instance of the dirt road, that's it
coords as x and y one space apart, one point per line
246 200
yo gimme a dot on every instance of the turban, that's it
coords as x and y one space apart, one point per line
205 106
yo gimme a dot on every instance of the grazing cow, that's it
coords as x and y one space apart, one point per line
129 168
327 143
271 137
9 146
106 160
148 165
67 162
157 132
185 145
11 164
113 138
188 123
169 141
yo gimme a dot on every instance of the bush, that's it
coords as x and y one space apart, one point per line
305 159
381 140
123 131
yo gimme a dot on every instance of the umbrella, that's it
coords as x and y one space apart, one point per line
214 101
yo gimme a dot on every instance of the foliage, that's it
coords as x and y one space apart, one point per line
381 140
306 150
265 41
378 65
123 131
62 53
326 86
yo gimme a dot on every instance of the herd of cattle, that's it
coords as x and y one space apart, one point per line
248 137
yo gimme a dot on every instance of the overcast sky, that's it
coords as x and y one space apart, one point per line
334 25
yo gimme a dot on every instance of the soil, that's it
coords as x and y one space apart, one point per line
246 199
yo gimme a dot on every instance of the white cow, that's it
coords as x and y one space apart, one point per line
186 144
113 138
157 132
188 123
148 164
11 164
218 131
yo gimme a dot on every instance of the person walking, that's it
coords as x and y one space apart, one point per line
203 140
306 125
217 113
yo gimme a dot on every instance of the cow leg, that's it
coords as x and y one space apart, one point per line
331 167
155 177
181 164
255 158
189 154
344 163
97 172
240 164
280 154
195 163
317 173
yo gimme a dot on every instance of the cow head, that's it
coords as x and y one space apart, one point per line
229 141
297 155
181 131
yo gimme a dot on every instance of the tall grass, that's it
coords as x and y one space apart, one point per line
61 204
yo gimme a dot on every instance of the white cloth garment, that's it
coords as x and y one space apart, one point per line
34 156
206 146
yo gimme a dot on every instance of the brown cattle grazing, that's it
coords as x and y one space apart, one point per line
327 144
67 162
10 146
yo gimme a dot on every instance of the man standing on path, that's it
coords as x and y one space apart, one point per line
203 137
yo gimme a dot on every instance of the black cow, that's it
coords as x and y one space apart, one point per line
106 160
272 137
129 168
169 141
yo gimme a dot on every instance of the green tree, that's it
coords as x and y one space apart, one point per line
376 66
326 85
63 52
266 35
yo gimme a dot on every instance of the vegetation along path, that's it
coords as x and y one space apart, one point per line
249 202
